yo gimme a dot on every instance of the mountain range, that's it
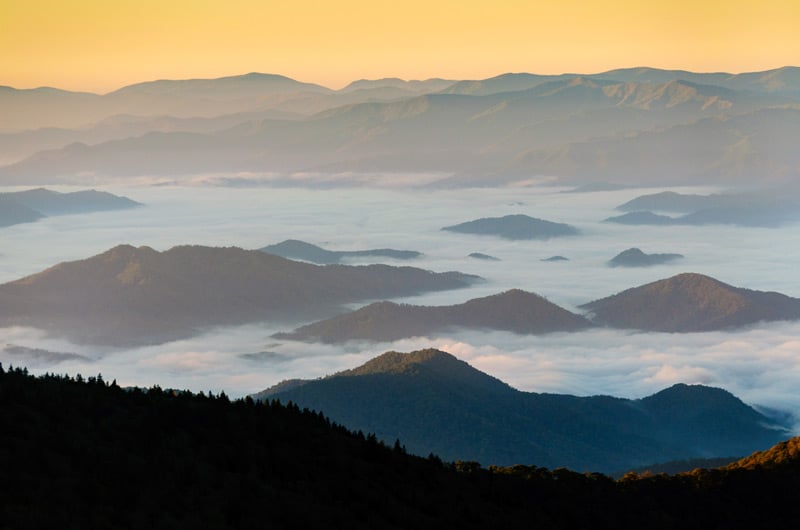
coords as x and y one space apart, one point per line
130 295
764 208
684 128
434 402
685 303
515 310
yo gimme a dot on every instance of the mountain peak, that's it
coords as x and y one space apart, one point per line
691 302
396 362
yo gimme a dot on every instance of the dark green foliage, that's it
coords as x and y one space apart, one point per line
93 455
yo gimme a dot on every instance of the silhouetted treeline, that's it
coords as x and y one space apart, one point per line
88 454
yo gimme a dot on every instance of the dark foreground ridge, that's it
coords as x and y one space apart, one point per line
436 402
89 454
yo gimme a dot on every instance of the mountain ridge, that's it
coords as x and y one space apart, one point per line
514 310
690 302
130 295
435 402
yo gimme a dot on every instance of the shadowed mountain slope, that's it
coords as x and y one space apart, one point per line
133 295
515 310
690 302
434 402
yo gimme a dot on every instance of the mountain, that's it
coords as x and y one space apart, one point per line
419 86
48 107
32 205
482 256
22 355
642 218
242 464
130 295
690 302
13 212
434 402
574 128
515 310
721 149
252 85
294 249
49 203
771 207
514 227
634 257
670 201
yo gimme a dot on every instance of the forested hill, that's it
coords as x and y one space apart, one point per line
89 454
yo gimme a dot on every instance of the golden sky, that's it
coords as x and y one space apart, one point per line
101 45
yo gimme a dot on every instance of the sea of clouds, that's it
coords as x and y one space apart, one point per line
758 364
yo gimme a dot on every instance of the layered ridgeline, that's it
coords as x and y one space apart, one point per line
32 205
434 402
295 249
133 295
88 452
515 310
511 128
690 302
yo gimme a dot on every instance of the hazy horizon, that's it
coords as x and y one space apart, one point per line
87 45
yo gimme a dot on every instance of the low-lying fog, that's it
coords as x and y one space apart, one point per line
760 365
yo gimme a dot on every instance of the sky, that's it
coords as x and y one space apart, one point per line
98 46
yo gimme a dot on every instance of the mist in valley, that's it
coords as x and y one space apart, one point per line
759 364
